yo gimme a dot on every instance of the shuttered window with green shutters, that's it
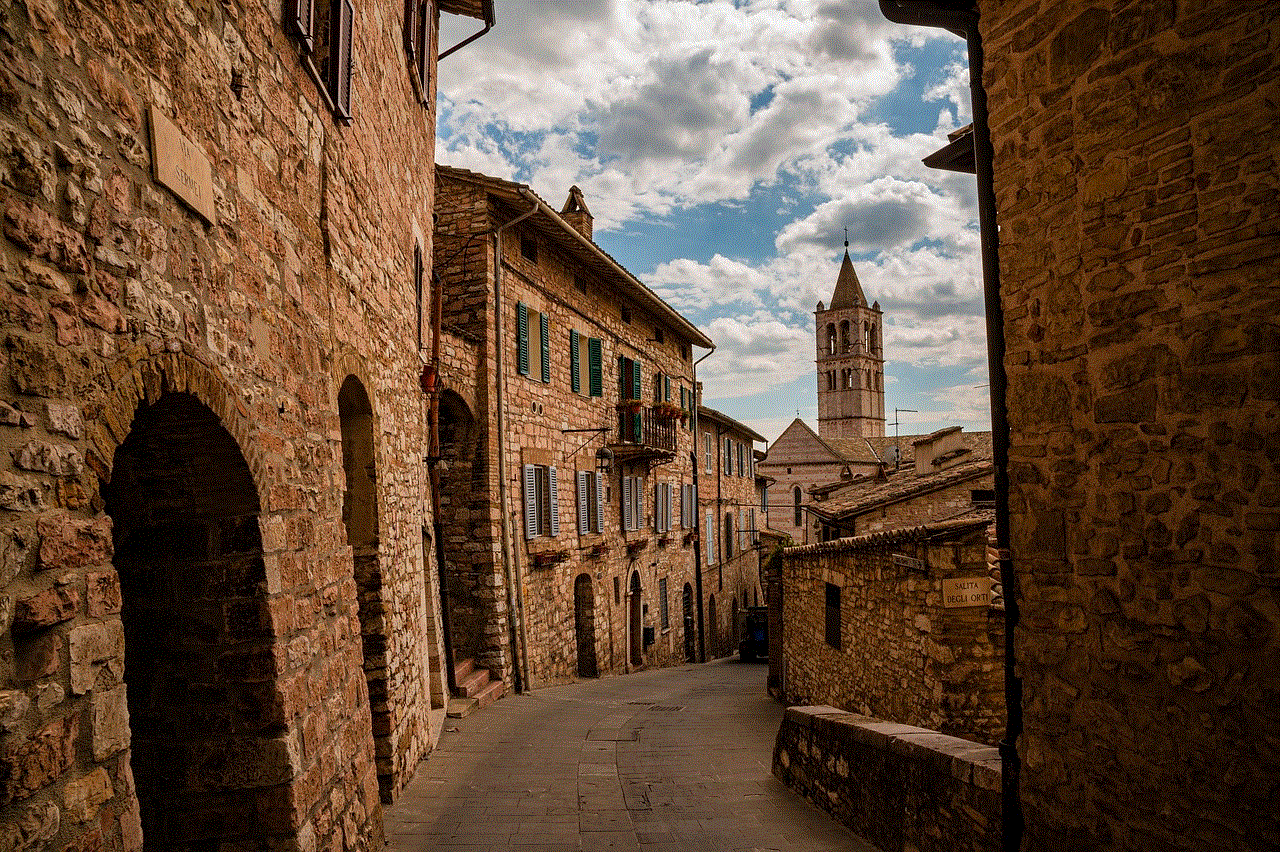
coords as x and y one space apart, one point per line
575 363
545 338
522 338
595 366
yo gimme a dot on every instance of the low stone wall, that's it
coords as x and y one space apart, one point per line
900 787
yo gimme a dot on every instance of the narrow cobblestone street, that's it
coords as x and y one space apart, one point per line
660 761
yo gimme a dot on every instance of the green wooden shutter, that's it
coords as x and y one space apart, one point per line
575 363
545 330
595 366
522 338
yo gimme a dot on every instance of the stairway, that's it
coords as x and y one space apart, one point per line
475 689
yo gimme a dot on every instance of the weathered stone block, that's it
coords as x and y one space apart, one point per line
110 722
28 765
44 609
95 646
102 593
38 657
35 825
63 417
70 543
82 796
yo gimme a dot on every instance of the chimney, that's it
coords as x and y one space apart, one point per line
575 212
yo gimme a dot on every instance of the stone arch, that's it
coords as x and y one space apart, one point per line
360 518
584 625
635 629
207 720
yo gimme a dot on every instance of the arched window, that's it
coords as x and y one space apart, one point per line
795 495
873 344
831 338
728 535
844 336
866 334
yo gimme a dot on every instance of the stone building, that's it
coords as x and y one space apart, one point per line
217 619
571 519
727 501
850 360
872 624
946 474
1127 152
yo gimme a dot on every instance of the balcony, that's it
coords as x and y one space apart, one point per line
645 433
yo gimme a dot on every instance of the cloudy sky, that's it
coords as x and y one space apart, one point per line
723 147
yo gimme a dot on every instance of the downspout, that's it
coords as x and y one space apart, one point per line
965 24
515 596
487 11
697 521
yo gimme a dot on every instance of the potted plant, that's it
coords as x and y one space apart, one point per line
631 406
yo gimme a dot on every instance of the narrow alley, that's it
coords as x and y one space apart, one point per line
659 761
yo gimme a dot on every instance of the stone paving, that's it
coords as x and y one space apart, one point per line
660 761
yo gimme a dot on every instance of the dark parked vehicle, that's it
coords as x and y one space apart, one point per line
753 631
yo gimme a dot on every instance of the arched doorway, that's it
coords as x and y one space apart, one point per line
690 637
205 713
584 625
360 516
635 630
715 628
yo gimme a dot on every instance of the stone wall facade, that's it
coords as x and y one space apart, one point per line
906 789
553 607
899 654
1135 179
215 623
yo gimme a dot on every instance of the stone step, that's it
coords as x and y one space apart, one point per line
460 708
490 693
473 683
463 668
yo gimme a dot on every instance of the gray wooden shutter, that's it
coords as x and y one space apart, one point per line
522 338
545 324
341 23
627 516
637 492
575 363
300 22
530 502
583 508
598 520
595 366
670 500
555 501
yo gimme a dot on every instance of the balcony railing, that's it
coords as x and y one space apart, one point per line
646 431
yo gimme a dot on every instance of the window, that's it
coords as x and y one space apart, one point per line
795 493
764 500
688 507
726 463
662 507
417 45
580 283
617 592
625 313
541 501
632 502
831 338
751 461
728 535
533 350
742 461
662 603
595 367
709 540
833 615
529 249
590 499
751 531
324 30
706 450
418 272
658 336
628 378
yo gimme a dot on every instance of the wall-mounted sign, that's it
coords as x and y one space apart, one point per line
908 562
181 166
966 591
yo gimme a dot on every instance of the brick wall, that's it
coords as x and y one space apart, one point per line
234 335
903 656
1135 175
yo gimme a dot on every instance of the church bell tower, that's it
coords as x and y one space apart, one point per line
850 361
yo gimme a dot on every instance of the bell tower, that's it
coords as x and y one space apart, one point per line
850 361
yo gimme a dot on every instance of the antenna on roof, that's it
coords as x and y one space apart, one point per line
897 454
846 236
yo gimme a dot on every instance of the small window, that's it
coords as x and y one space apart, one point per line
632 502
706 451
580 283
529 249
323 29
662 603
541 501
796 496
833 615
417 45
728 535
658 336
533 343
617 592
590 499
626 314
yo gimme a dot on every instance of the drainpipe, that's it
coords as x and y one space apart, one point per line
487 12
515 596
965 24
697 521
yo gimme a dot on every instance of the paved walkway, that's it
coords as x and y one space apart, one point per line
659 761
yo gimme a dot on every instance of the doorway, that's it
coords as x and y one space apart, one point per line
584 625
690 639
635 630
